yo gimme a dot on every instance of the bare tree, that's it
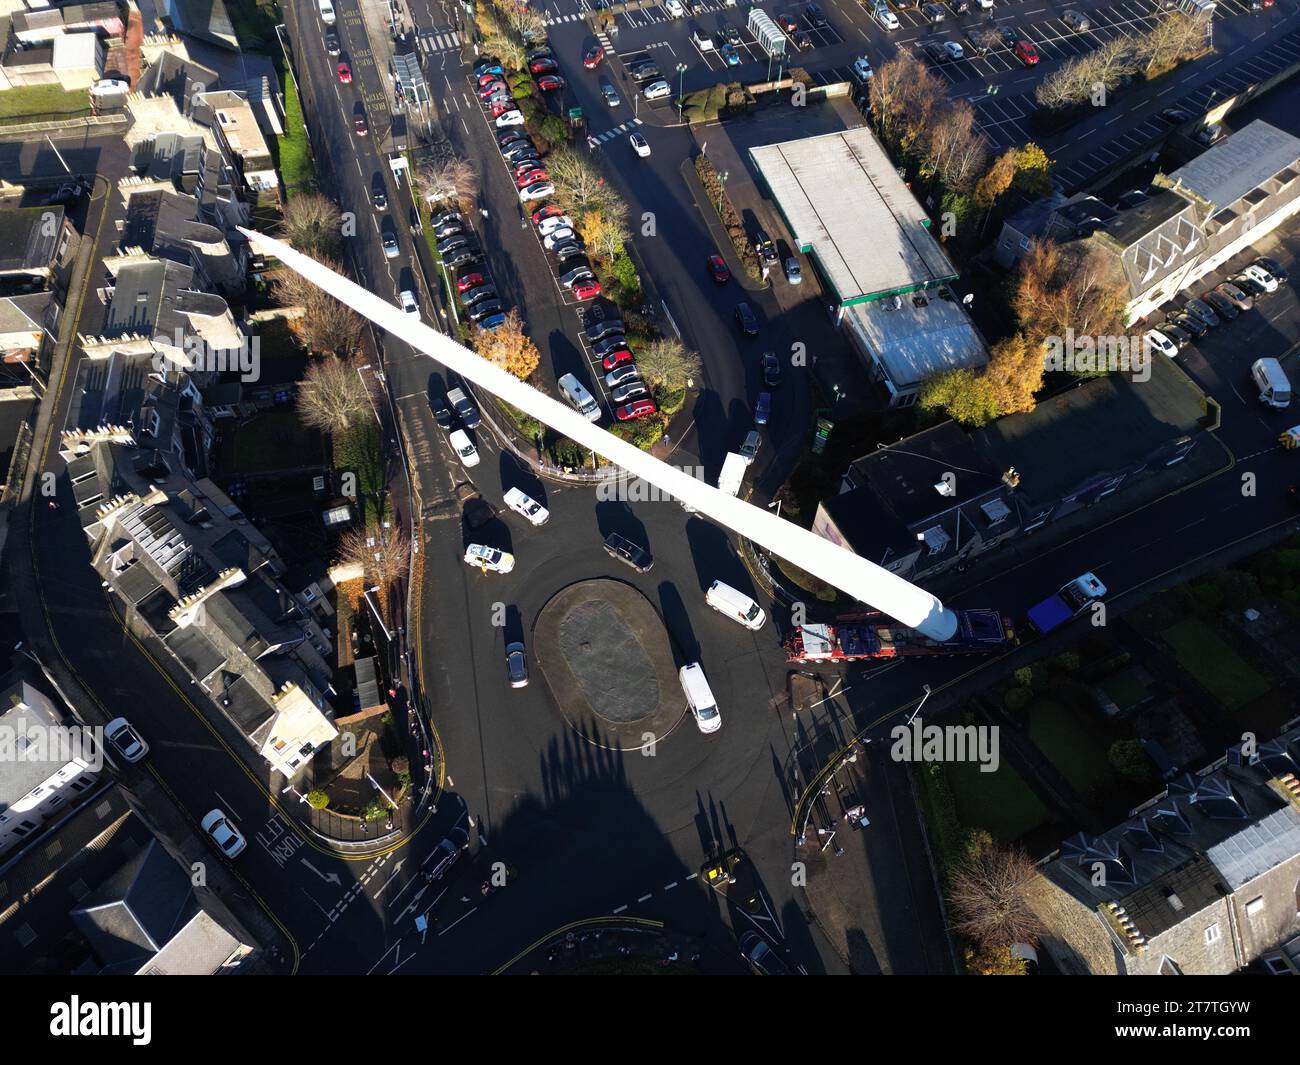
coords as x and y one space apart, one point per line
381 549
579 184
1173 40
325 325
524 22
1077 286
333 396
312 224
954 150
987 890
604 229
666 365
448 178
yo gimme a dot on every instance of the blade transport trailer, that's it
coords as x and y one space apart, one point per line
859 637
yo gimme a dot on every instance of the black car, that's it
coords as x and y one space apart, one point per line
761 957
1175 116
1009 35
378 197
516 665
601 330
1275 268
484 310
771 369
446 853
747 319
731 34
1201 310
801 40
474 295
623 549
1191 323
960 7
609 345
764 246
453 243
568 251
816 16
443 217
332 46
444 417
511 135
1248 285
1176 333
1221 304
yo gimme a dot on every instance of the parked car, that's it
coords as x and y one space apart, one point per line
575 275
1273 267
657 90
408 302
1211 135
226 836
492 323
489 559
746 319
529 175
551 223
816 16
539 191
1223 307
1076 21
760 956
644 71
486 309
464 407
609 345
389 240
1026 52
607 327
454 242
934 13
1262 277
862 68
464 447
510 118
1175 116
628 391
621 371
1159 342
468 281
729 54
477 295
953 50
674 8
638 408
550 82
1202 310
1176 333
623 549
551 210
639 145
124 740
801 41
1243 300
771 367
516 665
702 40
570 249
793 271
557 237
750 445
731 34
1248 285
510 136
1190 323
585 288
543 65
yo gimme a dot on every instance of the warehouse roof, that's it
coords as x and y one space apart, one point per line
1225 173
846 205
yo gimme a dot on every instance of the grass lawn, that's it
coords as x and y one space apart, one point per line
1214 665
276 440
1000 802
1072 749
1124 688
41 101
297 171
360 450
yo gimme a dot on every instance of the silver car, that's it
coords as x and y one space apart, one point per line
629 391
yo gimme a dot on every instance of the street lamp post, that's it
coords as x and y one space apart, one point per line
925 688
722 188
681 88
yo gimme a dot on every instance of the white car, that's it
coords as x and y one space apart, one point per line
464 447
547 226
110 87
537 191
984 5
639 145
954 50
511 118
1261 277
657 90
522 503
226 836
1155 339
408 301
674 8
560 236
862 69
489 558
702 41
886 18
125 740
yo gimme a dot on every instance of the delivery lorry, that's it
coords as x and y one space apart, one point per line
733 473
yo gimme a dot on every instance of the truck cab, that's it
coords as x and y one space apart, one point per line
1073 599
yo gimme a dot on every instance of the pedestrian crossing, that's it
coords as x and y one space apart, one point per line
434 41
595 140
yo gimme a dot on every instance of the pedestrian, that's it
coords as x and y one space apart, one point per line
53 505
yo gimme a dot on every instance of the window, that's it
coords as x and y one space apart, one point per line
1212 933
1255 906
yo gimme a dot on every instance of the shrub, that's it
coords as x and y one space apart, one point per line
554 129
375 810
625 273
1024 676
1129 759
1016 699
643 433
317 799
672 402
1068 661
569 453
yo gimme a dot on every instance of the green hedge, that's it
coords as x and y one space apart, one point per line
672 402
297 171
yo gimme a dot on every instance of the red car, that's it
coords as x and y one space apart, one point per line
491 89
638 408
593 57
543 66
468 282
531 177
550 82
615 359
361 125
718 269
1026 53
543 213
502 106
485 80
345 74
586 290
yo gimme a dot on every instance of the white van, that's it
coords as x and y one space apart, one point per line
326 12
1273 384
736 605
699 697
579 398
464 447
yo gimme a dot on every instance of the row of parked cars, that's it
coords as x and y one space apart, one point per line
1222 303
627 391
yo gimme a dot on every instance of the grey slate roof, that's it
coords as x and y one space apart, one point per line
1258 847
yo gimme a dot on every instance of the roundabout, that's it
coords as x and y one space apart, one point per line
608 662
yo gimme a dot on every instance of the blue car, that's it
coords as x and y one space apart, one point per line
492 322
730 54
762 408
